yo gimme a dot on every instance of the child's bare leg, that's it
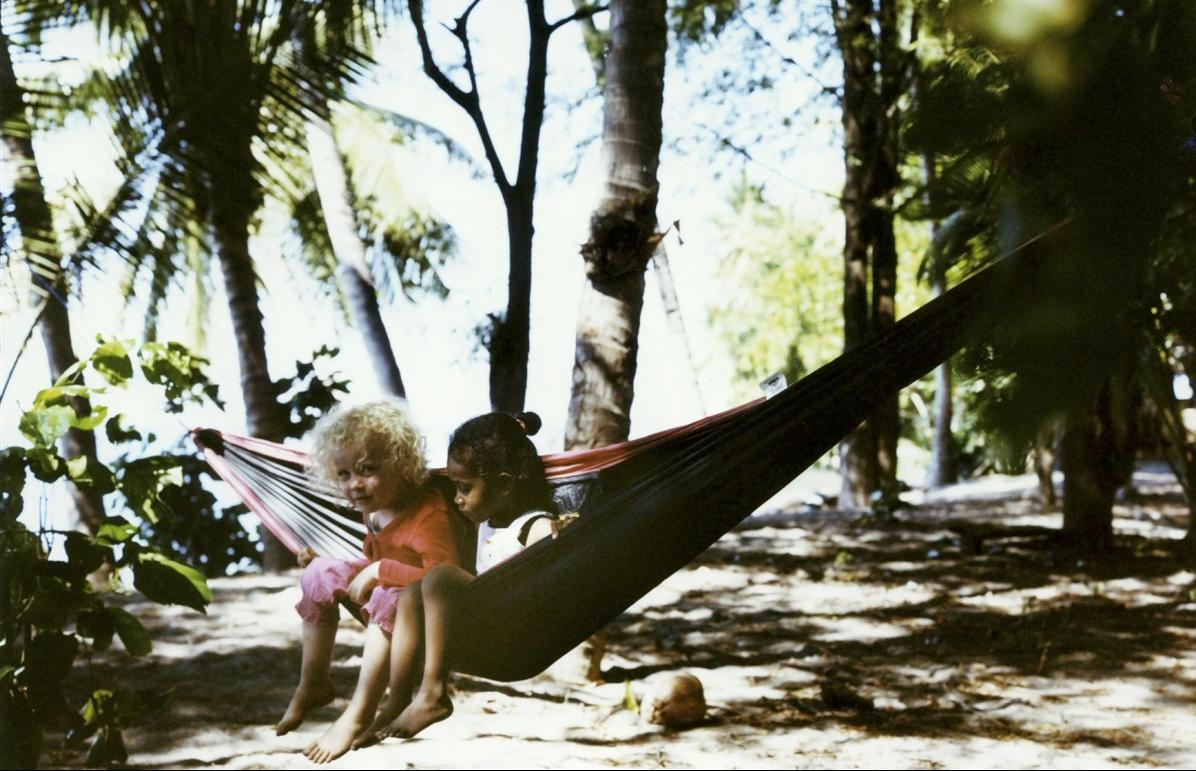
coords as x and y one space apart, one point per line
405 645
370 684
432 704
315 682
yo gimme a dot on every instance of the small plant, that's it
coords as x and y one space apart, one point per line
50 611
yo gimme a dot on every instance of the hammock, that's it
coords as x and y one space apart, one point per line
658 501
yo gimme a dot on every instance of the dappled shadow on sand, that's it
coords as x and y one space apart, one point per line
816 624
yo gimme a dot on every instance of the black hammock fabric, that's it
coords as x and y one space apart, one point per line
659 510
657 507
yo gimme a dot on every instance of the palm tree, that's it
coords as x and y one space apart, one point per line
40 247
622 229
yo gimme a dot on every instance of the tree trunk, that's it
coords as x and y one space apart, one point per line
40 243
510 335
231 214
622 229
872 66
336 201
857 453
942 452
1087 455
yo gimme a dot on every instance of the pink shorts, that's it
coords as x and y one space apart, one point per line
325 582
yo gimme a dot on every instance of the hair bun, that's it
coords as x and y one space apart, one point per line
530 421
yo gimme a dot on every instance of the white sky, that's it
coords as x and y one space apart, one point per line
446 381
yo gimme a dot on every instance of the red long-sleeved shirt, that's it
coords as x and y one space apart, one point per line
411 545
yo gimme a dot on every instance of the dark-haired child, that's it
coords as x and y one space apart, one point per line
500 485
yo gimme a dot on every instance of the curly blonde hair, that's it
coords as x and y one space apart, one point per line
383 427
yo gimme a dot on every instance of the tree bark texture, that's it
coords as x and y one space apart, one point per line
264 416
40 243
622 229
336 201
942 452
866 32
1086 454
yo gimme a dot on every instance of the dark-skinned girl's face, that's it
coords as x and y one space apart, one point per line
479 498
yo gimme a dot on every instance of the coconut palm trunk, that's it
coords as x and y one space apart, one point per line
40 242
622 229
336 201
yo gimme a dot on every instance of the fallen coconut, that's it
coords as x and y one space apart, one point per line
674 701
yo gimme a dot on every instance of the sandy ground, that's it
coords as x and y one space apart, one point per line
1015 656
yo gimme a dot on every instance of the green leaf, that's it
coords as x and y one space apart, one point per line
111 359
115 530
45 464
49 657
6 673
629 702
143 479
99 413
91 474
59 395
117 434
97 625
132 633
170 583
45 610
12 482
85 554
44 425
71 374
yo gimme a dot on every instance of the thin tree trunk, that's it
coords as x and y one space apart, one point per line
885 179
857 452
510 338
623 228
1087 455
336 201
39 238
942 453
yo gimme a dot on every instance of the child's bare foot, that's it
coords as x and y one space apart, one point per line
306 699
379 729
423 711
337 740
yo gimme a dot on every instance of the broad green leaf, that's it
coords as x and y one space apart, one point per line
99 413
170 583
85 554
58 395
45 464
12 482
49 657
136 640
97 625
91 474
141 481
44 425
71 374
117 434
45 609
111 359
115 530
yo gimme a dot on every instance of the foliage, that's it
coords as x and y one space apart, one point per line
50 614
1044 118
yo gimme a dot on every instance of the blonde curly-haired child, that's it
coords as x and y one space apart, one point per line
373 454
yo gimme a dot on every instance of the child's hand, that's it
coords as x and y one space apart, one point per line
305 556
563 522
363 584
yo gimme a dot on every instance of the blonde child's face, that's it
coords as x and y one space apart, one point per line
363 480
